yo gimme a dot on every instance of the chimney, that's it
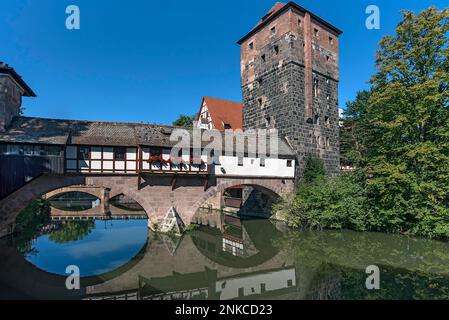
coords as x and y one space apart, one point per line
12 89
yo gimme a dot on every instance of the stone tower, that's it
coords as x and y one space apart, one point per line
12 89
289 78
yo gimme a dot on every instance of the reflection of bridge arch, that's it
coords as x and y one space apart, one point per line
21 276
258 232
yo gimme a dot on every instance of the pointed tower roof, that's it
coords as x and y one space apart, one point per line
280 8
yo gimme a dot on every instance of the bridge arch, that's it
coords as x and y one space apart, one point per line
157 196
273 189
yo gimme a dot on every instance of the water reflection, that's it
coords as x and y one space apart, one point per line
229 259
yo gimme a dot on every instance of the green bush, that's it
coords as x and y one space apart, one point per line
314 169
327 203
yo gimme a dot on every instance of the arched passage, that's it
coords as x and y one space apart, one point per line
246 199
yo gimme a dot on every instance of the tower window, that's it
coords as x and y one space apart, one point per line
273 30
331 40
328 142
316 32
268 121
276 49
326 120
327 58
260 102
317 120
251 45
299 22
263 58
328 97
315 88
327 80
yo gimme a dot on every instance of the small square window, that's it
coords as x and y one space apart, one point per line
84 153
119 153
273 30
289 163
289 283
251 45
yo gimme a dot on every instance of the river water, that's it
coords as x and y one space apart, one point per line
234 259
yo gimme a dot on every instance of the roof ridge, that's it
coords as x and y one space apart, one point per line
102 122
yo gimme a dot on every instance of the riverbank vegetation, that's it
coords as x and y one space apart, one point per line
396 137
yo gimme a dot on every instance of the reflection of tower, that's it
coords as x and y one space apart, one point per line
289 78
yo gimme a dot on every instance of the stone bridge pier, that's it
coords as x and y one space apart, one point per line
156 195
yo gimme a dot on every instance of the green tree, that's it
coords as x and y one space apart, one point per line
354 125
72 231
313 169
184 121
405 127
327 203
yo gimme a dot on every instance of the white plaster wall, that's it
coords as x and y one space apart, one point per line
251 167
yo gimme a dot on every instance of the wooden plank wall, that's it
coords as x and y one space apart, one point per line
16 170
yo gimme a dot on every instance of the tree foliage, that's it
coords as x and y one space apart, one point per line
184 121
405 127
313 169
398 138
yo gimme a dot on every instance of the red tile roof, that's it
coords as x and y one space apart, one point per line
224 112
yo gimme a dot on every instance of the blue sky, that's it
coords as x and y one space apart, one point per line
149 61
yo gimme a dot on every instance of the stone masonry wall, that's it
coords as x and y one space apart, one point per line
279 69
